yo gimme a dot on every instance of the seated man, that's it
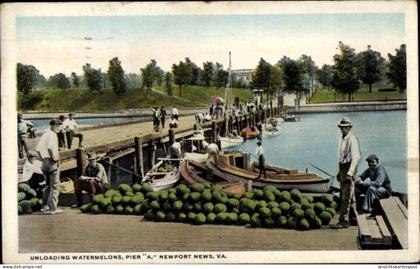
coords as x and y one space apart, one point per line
94 180
32 173
378 186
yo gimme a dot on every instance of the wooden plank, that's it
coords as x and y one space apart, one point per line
396 221
401 206
363 226
384 229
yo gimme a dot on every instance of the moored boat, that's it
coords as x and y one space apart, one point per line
227 142
249 132
237 166
163 175
193 172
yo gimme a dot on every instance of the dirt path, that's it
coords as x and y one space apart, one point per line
73 231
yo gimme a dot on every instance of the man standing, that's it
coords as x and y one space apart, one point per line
162 116
70 126
349 155
259 152
94 180
47 149
61 134
379 185
22 126
175 113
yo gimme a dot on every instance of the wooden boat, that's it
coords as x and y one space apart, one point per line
249 132
291 118
163 175
237 166
192 172
227 142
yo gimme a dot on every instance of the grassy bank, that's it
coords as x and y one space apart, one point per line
50 100
363 94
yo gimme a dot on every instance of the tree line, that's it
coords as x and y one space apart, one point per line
299 76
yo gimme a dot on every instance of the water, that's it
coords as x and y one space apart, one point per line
42 124
315 140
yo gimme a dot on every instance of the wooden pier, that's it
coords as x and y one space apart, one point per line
138 139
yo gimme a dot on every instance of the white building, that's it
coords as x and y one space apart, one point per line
242 74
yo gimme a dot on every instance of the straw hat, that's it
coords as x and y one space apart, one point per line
345 122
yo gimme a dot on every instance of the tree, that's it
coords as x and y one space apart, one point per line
93 77
276 80
397 68
169 80
195 72
208 73
368 66
309 68
325 75
41 81
344 78
117 77
160 76
221 76
150 75
292 76
27 76
75 80
182 74
133 80
59 81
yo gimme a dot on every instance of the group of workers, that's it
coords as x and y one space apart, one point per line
159 118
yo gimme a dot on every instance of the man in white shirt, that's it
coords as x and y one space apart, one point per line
94 180
259 152
32 173
173 123
349 156
174 112
47 149
70 126
22 126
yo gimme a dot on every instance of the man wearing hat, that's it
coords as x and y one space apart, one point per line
70 126
378 187
349 156
22 126
32 173
259 152
47 149
94 180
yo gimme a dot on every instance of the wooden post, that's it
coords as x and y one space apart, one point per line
171 136
110 171
238 127
214 131
152 154
80 156
139 156
246 121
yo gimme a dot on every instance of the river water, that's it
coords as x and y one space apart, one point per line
315 140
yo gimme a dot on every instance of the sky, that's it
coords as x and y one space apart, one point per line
65 44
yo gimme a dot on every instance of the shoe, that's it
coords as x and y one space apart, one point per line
45 208
57 211
340 225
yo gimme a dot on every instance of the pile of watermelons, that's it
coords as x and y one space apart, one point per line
27 199
206 204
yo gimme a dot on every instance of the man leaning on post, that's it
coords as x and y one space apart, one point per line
94 180
349 156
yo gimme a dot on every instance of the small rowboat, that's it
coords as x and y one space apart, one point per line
196 172
164 175
249 132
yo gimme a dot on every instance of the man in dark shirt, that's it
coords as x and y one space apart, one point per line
94 180
378 186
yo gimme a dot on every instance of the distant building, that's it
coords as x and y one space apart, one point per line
242 75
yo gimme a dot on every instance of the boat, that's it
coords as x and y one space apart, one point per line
227 142
198 172
237 166
291 118
164 175
249 132
271 127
